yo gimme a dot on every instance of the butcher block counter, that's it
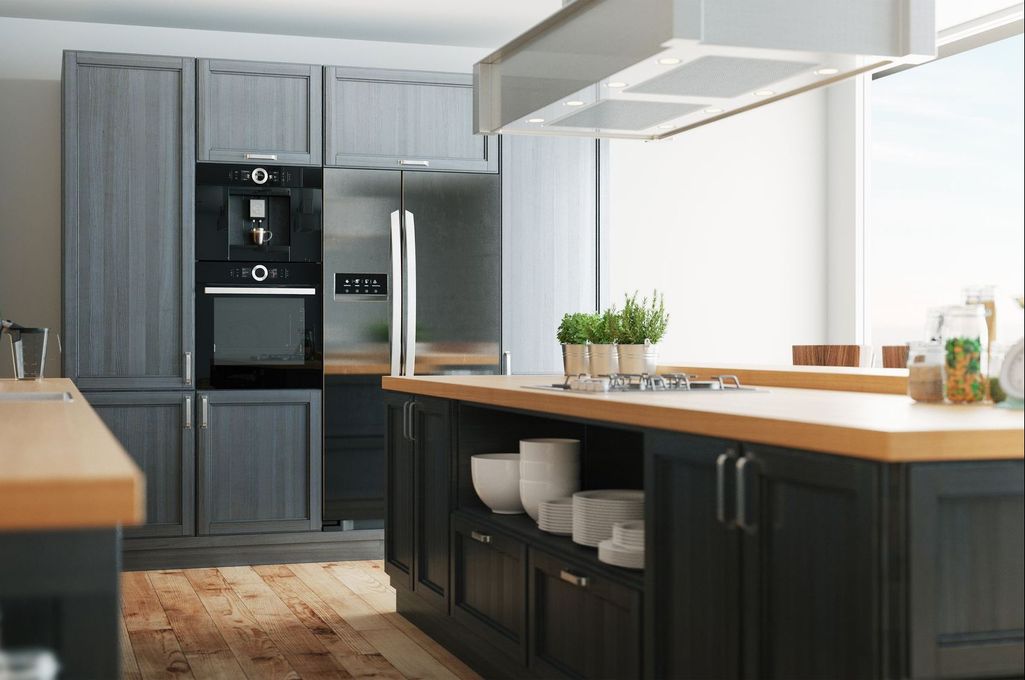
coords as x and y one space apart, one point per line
60 467
883 427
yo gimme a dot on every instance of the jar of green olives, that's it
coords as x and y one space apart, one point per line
965 340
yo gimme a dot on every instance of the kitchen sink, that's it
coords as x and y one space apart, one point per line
35 396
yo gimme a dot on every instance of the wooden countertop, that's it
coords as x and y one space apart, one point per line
60 467
881 380
884 427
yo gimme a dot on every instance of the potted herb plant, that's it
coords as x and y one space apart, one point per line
604 336
641 327
574 334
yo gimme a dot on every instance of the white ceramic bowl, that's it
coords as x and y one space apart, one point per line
532 493
560 472
551 450
496 479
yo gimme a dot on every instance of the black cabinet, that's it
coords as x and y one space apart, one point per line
128 183
489 578
156 429
258 112
408 120
582 624
420 496
259 461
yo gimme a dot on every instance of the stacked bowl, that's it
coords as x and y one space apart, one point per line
595 512
556 516
549 469
626 547
496 479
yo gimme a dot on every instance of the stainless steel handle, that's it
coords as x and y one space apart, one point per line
506 362
419 164
480 538
188 413
405 420
261 157
410 327
412 421
575 579
742 520
395 332
257 290
188 368
720 484
204 411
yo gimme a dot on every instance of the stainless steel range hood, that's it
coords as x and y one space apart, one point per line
648 69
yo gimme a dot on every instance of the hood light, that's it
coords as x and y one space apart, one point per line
535 120
830 71
666 126
669 61
616 84
713 109
763 93
574 102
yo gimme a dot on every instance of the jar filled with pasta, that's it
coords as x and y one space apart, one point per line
965 341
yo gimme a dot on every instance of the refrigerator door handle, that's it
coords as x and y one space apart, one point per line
410 325
395 333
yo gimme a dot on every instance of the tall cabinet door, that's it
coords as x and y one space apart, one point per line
399 526
432 435
157 431
128 151
811 564
251 111
259 462
692 610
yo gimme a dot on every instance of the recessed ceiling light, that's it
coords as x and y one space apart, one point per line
714 109
665 126
574 102
830 71
668 61
535 120
764 93
615 84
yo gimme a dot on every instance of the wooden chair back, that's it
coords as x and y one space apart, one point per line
895 356
827 355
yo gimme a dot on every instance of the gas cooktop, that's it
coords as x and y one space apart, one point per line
666 382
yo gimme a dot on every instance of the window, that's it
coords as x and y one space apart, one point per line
946 198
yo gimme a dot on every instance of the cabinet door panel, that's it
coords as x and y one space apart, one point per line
128 220
811 561
591 629
260 461
433 434
411 120
399 522
270 111
156 429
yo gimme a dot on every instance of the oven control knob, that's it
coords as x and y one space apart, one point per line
259 273
260 176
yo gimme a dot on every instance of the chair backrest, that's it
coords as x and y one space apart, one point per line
827 355
895 356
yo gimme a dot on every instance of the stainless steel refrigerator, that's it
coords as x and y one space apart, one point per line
412 286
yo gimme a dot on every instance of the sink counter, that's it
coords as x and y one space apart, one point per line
60 467
883 427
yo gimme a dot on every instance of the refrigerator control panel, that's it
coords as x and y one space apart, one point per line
361 286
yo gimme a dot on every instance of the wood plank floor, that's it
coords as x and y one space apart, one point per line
292 621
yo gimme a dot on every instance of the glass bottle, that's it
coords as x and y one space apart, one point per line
965 338
925 371
985 296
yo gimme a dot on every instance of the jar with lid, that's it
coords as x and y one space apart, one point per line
925 371
985 296
965 339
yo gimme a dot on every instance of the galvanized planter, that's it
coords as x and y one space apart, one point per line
576 359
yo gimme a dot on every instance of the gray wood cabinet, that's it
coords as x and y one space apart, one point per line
413 120
156 428
128 173
251 111
551 245
259 461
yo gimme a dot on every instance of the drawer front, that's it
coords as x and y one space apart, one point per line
582 626
489 585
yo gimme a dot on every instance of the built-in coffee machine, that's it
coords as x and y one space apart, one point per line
258 214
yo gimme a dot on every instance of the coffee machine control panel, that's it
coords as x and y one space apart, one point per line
259 176
360 286
259 273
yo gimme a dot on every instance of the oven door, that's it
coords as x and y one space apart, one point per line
258 337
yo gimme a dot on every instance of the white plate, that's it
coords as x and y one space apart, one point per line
635 495
609 553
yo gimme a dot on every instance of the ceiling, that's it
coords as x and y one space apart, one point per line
466 23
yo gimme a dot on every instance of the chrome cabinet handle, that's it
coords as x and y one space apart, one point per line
574 579
188 368
412 421
405 420
720 484
506 362
204 411
480 538
188 413
742 518
261 157
409 225
395 333
419 164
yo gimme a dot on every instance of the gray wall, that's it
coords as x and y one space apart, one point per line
30 58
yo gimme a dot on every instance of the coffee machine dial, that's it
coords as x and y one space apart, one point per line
260 176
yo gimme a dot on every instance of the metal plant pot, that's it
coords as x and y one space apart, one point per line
604 360
576 359
638 359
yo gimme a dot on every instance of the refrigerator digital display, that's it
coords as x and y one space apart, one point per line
361 284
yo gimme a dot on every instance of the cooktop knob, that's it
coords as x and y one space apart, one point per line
260 176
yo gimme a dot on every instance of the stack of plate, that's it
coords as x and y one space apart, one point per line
556 516
594 513
626 547
629 534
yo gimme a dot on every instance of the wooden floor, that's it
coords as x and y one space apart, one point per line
331 620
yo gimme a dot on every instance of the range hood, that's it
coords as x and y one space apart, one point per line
649 69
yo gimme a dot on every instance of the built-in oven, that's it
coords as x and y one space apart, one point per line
259 325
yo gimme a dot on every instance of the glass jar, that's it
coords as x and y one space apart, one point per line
925 371
965 338
985 296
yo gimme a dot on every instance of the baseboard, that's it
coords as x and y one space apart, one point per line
237 550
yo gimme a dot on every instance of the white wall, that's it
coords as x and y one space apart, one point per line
729 221
30 62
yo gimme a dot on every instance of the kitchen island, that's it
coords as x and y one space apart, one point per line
66 488
790 533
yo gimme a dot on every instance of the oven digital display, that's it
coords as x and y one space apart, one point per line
361 284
